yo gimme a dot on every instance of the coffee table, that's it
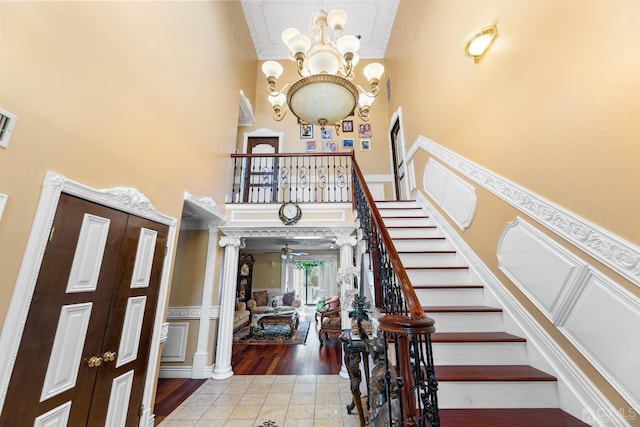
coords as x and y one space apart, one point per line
281 318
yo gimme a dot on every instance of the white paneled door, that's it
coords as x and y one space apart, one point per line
85 346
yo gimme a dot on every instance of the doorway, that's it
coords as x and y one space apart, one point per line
82 350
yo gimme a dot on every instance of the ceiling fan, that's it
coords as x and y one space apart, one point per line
288 253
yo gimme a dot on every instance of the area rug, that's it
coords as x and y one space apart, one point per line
272 334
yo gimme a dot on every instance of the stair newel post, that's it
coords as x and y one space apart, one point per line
407 383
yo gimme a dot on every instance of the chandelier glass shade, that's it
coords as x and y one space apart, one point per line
325 93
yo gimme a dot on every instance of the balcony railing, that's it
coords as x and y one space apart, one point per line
278 178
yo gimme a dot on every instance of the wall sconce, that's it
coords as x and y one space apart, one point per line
478 42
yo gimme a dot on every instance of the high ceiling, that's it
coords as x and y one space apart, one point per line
372 20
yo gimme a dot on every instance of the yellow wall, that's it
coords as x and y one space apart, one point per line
135 94
266 271
553 107
188 268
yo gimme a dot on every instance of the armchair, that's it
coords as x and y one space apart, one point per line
326 305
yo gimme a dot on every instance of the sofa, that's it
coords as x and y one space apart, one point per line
241 316
264 302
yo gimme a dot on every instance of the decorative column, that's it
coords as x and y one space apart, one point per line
346 271
222 367
201 355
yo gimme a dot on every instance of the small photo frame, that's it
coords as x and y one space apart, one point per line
364 130
306 131
347 126
330 147
326 133
347 143
311 145
365 145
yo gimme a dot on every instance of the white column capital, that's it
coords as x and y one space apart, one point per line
231 241
343 241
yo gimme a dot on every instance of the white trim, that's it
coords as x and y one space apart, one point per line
191 313
245 113
577 393
3 203
260 133
125 199
616 253
409 182
180 371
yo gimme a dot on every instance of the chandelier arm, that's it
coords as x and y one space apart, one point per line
363 113
279 112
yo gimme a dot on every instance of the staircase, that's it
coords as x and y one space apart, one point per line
483 372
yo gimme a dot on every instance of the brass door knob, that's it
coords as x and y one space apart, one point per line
94 361
109 356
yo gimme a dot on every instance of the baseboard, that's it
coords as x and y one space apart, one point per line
181 371
578 395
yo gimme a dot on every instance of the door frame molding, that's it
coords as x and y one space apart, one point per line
262 133
409 173
125 199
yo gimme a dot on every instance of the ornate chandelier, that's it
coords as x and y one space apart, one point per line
324 94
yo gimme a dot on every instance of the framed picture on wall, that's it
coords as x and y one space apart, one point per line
330 147
365 145
326 133
311 145
347 126
347 143
306 131
364 130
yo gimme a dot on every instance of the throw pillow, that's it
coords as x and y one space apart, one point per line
261 298
334 302
287 299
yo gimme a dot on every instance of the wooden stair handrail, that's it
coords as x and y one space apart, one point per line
411 299
243 155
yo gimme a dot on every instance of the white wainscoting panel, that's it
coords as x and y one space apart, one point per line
603 323
175 348
435 179
454 195
87 260
547 273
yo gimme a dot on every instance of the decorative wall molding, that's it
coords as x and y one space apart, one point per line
546 272
577 392
245 113
191 313
200 214
175 348
613 251
598 323
454 195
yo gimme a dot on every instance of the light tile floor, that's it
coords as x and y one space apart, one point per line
250 400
